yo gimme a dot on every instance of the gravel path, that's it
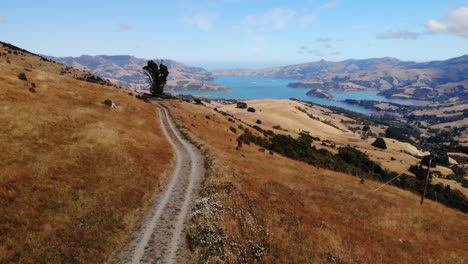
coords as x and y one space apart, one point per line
161 238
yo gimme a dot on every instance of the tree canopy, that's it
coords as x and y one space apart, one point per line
157 76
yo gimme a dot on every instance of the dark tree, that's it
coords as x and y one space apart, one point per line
241 105
379 143
157 76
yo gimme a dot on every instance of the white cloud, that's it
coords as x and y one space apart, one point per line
306 20
324 40
455 23
203 20
123 26
331 4
402 34
3 19
275 19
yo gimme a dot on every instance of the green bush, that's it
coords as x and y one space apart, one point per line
241 105
22 76
251 109
379 143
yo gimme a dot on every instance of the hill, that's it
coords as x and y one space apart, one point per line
127 71
74 173
436 80
258 206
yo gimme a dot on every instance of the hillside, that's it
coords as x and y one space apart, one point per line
436 80
258 206
127 71
74 173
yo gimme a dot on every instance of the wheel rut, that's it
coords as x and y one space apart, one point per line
161 238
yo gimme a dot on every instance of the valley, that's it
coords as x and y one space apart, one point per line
95 172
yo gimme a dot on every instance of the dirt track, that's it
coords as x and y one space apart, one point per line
161 237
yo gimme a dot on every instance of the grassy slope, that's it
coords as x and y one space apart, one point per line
73 172
262 206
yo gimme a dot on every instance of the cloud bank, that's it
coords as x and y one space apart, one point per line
454 23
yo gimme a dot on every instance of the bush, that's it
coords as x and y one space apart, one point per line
233 130
197 101
107 102
251 109
241 105
437 159
259 122
379 143
22 76
398 133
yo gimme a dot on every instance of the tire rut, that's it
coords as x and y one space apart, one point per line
160 240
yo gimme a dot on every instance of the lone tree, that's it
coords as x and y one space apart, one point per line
379 143
157 76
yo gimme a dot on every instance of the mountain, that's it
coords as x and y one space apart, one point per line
435 80
126 70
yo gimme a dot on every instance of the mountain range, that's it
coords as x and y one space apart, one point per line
435 80
126 70
393 78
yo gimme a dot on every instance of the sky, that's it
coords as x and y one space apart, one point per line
240 33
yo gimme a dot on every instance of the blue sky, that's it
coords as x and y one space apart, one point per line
240 33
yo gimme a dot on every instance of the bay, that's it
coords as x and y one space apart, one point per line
253 87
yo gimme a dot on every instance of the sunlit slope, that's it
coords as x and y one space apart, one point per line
257 206
74 173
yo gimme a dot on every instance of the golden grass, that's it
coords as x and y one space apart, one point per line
303 214
74 174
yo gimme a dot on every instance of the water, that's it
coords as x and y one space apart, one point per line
252 87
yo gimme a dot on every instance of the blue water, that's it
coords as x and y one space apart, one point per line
252 87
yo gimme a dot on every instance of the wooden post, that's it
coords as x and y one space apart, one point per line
427 179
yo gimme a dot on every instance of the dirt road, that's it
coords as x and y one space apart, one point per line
162 238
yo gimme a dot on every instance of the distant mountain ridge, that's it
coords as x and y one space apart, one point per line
126 70
434 80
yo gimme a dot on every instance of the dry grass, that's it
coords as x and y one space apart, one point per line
74 174
283 211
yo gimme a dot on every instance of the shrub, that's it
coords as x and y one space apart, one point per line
259 122
259 129
398 133
241 105
233 129
437 159
251 109
22 76
107 102
379 143
197 101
